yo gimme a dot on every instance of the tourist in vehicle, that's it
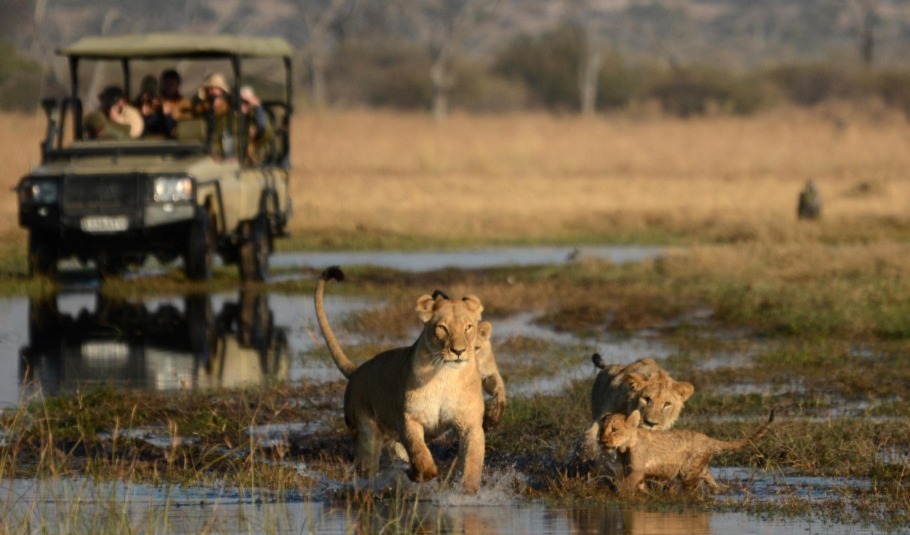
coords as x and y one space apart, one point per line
260 129
99 127
173 103
156 122
213 103
114 105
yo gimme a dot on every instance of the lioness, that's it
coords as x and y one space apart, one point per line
493 385
664 455
411 393
643 386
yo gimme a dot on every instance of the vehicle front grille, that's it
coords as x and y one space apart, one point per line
103 193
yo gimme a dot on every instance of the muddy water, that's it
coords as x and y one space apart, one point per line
78 506
78 339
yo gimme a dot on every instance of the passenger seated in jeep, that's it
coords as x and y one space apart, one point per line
212 103
156 122
174 104
261 134
99 127
115 107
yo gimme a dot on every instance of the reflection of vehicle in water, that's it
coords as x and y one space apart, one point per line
171 347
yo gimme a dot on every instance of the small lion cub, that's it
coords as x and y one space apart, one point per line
664 455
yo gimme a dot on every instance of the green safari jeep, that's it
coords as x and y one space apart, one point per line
117 202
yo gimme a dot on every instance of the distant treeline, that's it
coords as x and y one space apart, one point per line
541 73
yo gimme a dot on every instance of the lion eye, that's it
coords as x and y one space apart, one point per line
647 400
441 331
667 404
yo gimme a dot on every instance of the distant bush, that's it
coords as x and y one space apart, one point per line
696 90
20 80
619 83
546 64
382 74
810 84
477 91
894 88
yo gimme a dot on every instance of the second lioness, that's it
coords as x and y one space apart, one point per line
643 386
412 393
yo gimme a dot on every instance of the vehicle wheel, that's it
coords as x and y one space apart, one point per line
255 250
200 248
42 254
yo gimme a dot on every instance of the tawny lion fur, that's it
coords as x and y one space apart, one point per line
664 455
409 394
643 386
493 385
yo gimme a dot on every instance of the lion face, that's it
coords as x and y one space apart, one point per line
658 398
618 431
450 327
482 346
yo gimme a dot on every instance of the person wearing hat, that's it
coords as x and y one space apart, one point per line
213 103
258 121
114 105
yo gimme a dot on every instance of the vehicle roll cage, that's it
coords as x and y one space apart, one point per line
157 46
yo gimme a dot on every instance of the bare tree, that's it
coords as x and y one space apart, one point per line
865 12
444 26
318 18
592 53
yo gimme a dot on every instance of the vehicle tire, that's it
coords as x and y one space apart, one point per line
42 254
200 248
254 250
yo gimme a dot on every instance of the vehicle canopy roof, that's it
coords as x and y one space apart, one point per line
176 45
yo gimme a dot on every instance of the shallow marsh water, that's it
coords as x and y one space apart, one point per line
227 340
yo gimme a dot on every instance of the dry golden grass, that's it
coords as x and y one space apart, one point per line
541 177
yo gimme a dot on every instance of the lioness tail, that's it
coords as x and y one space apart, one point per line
341 360
598 361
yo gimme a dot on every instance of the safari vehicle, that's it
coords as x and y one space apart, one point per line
118 202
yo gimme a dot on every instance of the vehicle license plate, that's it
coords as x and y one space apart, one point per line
105 351
104 224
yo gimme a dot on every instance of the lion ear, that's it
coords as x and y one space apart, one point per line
424 307
635 381
473 303
484 330
634 419
684 390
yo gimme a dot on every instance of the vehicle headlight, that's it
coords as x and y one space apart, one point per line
173 189
38 192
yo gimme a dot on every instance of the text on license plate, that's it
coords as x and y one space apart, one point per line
99 224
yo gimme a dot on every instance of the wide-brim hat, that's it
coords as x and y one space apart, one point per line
215 80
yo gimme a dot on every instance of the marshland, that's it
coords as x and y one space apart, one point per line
758 310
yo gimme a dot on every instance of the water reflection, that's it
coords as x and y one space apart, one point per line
163 345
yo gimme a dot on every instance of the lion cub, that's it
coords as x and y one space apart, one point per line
412 393
664 455
643 386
